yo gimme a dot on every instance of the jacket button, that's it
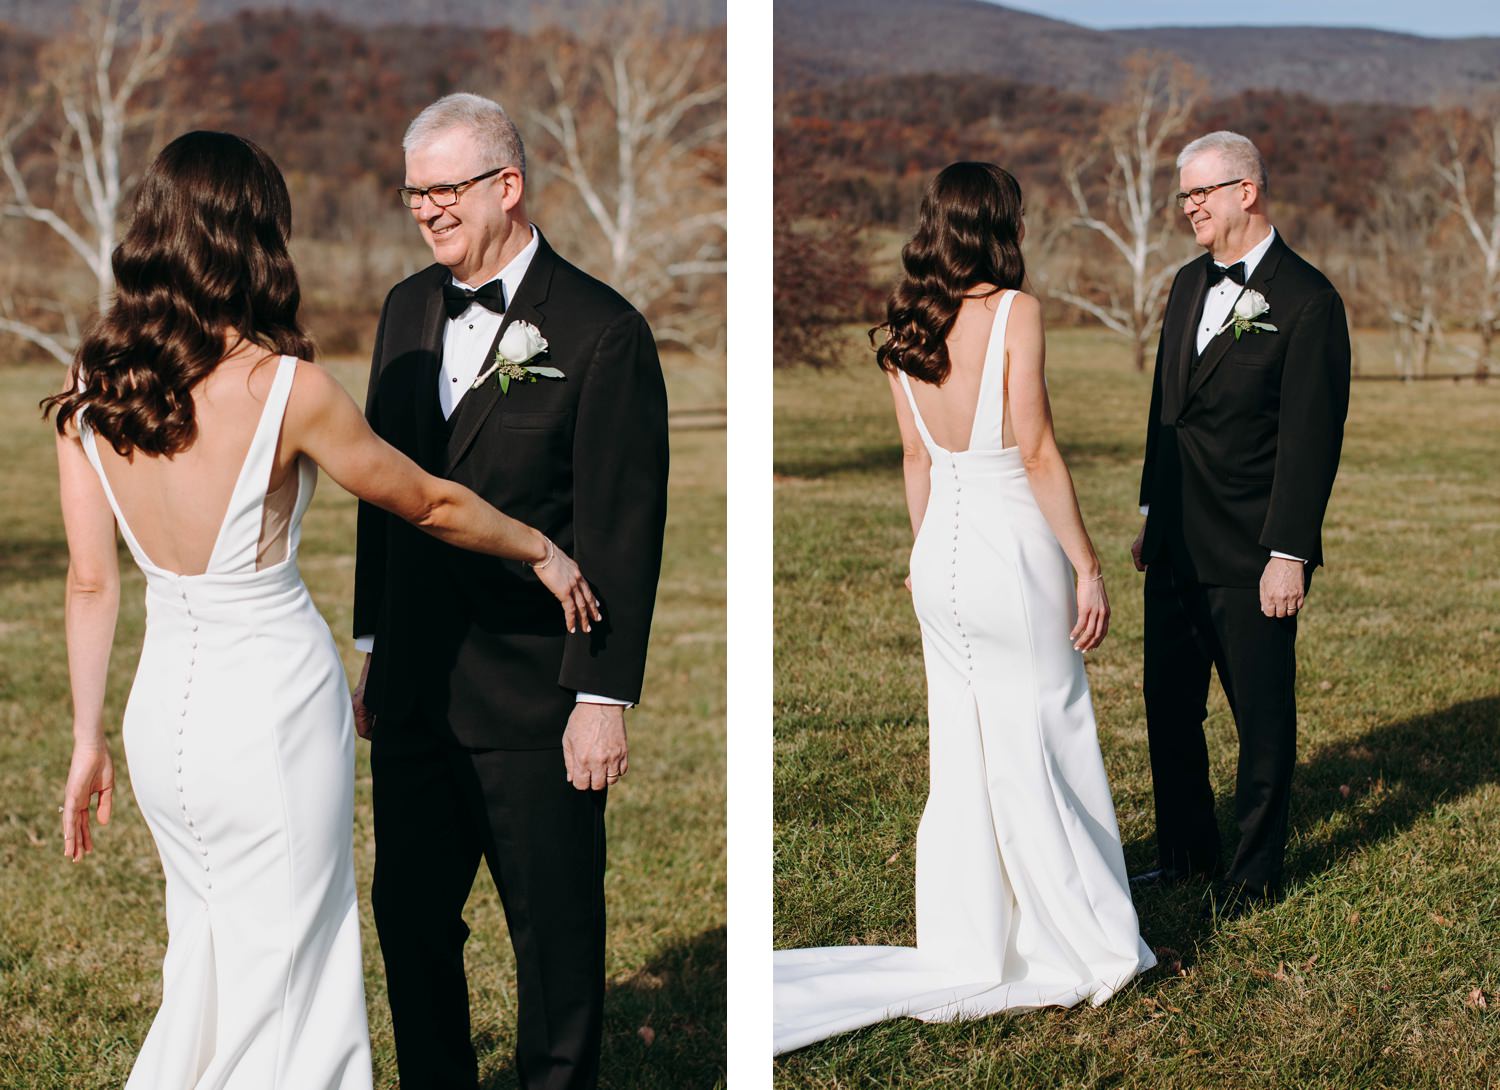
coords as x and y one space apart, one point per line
1179 422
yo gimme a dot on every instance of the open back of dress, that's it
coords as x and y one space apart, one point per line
211 508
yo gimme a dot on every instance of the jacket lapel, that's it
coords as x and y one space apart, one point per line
1187 336
1214 353
431 431
476 405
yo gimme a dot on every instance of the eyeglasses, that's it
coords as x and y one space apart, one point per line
1200 194
441 195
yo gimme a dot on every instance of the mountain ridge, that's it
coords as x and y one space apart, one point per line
819 42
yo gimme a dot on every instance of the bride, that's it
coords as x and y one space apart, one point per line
192 421
1022 897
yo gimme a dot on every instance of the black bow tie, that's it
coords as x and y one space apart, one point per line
1235 272
457 299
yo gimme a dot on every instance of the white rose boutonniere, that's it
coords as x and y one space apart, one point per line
521 343
1249 306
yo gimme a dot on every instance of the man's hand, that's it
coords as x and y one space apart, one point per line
364 718
594 749
1283 587
1136 546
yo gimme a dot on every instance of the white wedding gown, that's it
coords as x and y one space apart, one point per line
1022 896
239 736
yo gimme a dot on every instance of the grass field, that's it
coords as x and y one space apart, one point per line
81 946
1381 968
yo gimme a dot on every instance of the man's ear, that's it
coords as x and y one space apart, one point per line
515 188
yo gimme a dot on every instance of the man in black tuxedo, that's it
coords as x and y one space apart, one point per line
495 731
1247 418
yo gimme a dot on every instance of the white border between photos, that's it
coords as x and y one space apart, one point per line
749 568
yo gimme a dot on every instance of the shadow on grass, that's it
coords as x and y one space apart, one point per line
678 1002
26 561
885 458
1395 775
880 458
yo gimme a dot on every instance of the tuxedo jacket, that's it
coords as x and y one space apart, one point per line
473 641
1243 442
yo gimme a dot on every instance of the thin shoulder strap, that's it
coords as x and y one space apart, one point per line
988 431
243 516
916 412
257 469
88 437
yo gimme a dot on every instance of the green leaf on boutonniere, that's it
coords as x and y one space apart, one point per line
504 384
546 372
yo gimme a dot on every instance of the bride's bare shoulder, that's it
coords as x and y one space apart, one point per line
1025 311
316 393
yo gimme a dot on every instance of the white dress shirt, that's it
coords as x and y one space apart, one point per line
467 338
466 344
1221 297
1217 305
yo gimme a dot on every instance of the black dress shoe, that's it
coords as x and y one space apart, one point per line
1165 876
1158 876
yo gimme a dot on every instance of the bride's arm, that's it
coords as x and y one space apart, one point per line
323 422
916 462
90 609
1051 483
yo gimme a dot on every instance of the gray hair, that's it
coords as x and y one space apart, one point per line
1240 155
483 117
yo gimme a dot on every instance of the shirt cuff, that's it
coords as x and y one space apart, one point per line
1287 556
365 644
1145 509
595 698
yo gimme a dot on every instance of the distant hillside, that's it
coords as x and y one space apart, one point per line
512 14
819 42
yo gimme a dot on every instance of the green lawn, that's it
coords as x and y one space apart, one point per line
81 946
1381 968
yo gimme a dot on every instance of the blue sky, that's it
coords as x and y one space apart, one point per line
1436 18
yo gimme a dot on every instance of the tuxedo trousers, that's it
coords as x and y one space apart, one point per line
1192 629
439 809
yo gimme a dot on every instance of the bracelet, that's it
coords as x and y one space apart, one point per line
551 554
1091 578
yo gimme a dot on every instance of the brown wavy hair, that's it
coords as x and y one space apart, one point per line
968 233
205 259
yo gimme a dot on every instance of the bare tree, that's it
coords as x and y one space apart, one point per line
1413 267
63 145
1470 168
637 126
1137 139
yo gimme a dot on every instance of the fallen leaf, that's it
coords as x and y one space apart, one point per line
1476 999
1441 920
1344 790
1353 918
647 1034
895 855
1325 685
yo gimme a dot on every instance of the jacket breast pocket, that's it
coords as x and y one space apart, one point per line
533 421
1247 357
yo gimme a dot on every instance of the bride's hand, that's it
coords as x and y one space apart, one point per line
561 576
1093 615
91 773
